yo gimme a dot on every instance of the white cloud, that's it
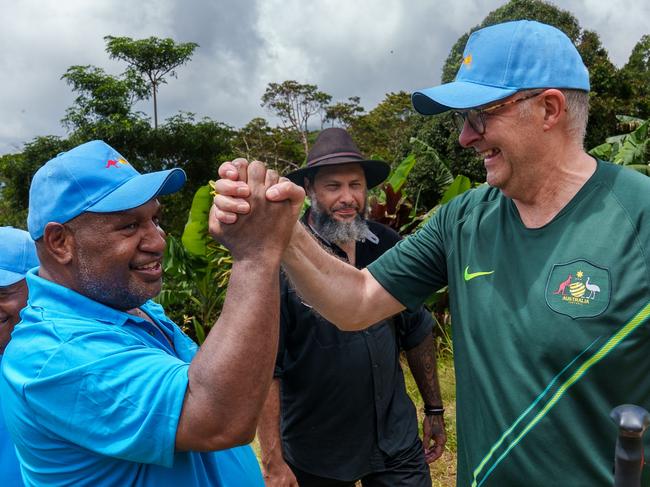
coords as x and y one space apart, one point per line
365 48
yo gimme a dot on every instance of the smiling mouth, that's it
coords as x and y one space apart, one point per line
489 154
148 267
150 270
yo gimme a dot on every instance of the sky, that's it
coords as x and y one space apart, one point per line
364 48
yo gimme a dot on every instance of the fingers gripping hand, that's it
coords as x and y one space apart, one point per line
233 191
266 227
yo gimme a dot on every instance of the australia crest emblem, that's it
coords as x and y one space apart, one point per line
579 289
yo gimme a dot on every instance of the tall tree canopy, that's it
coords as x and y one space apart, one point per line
295 104
151 58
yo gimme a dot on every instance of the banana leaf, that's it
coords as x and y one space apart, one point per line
195 235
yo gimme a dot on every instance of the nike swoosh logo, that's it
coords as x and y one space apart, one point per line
471 275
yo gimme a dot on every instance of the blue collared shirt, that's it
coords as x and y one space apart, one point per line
93 395
9 467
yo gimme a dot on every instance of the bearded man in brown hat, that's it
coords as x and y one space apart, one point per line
338 411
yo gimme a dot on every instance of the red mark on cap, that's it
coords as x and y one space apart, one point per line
113 162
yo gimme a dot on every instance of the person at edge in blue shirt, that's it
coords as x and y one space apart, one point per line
99 386
17 256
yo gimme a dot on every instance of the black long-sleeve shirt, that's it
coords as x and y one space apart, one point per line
344 407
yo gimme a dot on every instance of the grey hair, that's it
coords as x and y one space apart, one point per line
577 109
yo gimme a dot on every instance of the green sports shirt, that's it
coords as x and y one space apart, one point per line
550 326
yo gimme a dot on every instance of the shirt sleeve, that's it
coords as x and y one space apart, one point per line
123 399
285 322
413 327
416 266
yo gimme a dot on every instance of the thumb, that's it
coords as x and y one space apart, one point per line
286 190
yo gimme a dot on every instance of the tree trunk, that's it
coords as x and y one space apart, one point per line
155 108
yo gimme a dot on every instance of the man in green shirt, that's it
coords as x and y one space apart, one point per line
548 268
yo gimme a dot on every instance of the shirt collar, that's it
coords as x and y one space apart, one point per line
57 299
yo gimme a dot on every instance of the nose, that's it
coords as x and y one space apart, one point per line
346 195
153 239
468 135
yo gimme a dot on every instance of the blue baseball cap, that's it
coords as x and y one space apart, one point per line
503 59
92 177
17 255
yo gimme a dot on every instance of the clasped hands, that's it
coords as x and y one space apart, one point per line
255 210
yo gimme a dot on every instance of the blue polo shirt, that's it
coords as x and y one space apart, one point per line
9 468
92 396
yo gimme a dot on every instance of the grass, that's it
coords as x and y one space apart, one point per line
443 471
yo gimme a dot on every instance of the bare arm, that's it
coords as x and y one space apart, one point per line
348 297
422 362
276 472
229 377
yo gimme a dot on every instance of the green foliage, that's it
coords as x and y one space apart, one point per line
344 112
196 272
150 59
195 237
101 97
280 148
637 78
399 175
16 172
631 149
294 104
390 206
384 132
458 186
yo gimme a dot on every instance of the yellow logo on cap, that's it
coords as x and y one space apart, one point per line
467 60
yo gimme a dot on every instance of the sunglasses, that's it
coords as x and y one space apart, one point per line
478 118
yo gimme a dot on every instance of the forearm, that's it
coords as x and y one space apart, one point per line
229 377
268 429
422 362
344 295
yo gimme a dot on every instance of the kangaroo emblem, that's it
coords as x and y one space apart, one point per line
593 288
563 285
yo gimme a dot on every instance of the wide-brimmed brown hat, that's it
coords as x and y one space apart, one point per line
335 146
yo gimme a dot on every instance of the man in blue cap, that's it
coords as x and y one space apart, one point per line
17 256
99 386
548 267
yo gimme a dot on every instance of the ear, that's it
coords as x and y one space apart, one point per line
305 184
58 241
554 108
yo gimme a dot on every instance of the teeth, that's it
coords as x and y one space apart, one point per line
489 153
148 267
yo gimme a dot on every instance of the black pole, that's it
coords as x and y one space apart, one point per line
632 422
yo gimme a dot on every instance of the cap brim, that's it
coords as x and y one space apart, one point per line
140 189
457 95
7 278
376 171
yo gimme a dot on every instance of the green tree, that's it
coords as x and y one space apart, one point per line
344 113
278 147
384 131
101 96
295 104
16 172
637 77
151 58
